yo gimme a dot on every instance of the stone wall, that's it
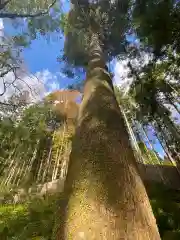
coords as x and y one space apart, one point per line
167 175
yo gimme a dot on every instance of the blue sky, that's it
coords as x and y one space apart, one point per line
41 57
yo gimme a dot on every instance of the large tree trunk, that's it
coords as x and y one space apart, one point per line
105 196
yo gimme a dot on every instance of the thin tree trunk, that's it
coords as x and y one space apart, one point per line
30 169
55 171
11 167
165 150
4 139
21 173
55 164
133 138
47 165
169 124
7 159
106 198
169 98
165 146
26 172
15 177
160 135
140 128
10 176
147 151
44 155
48 159
149 142
64 166
164 138
56 160
21 165
172 88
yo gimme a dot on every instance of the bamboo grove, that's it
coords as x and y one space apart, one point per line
153 92
36 149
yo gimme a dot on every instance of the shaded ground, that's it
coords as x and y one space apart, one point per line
35 219
31 220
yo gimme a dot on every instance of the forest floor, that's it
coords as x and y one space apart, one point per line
35 219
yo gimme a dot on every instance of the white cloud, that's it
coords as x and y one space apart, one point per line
53 86
27 82
39 85
45 75
50 80
62 75
1 28
121 78
121 70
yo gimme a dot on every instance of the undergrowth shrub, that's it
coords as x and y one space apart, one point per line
35 219
31 220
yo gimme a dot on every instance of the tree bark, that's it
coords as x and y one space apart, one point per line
104 197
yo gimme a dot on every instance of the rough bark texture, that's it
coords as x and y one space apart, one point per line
104 194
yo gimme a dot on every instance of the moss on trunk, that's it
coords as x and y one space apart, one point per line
104 196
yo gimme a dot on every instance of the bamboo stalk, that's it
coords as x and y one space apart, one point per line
34 154
28 168
65 163
11 167
7 159
172 88
164 136
164 146
16 174
55 165
21 172
149 142
149 156
20 169
132 136
8 180
48 161
41 166
172 103
60 153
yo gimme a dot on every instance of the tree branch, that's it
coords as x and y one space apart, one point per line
7 71
2 5
4 86
16 15
8 104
